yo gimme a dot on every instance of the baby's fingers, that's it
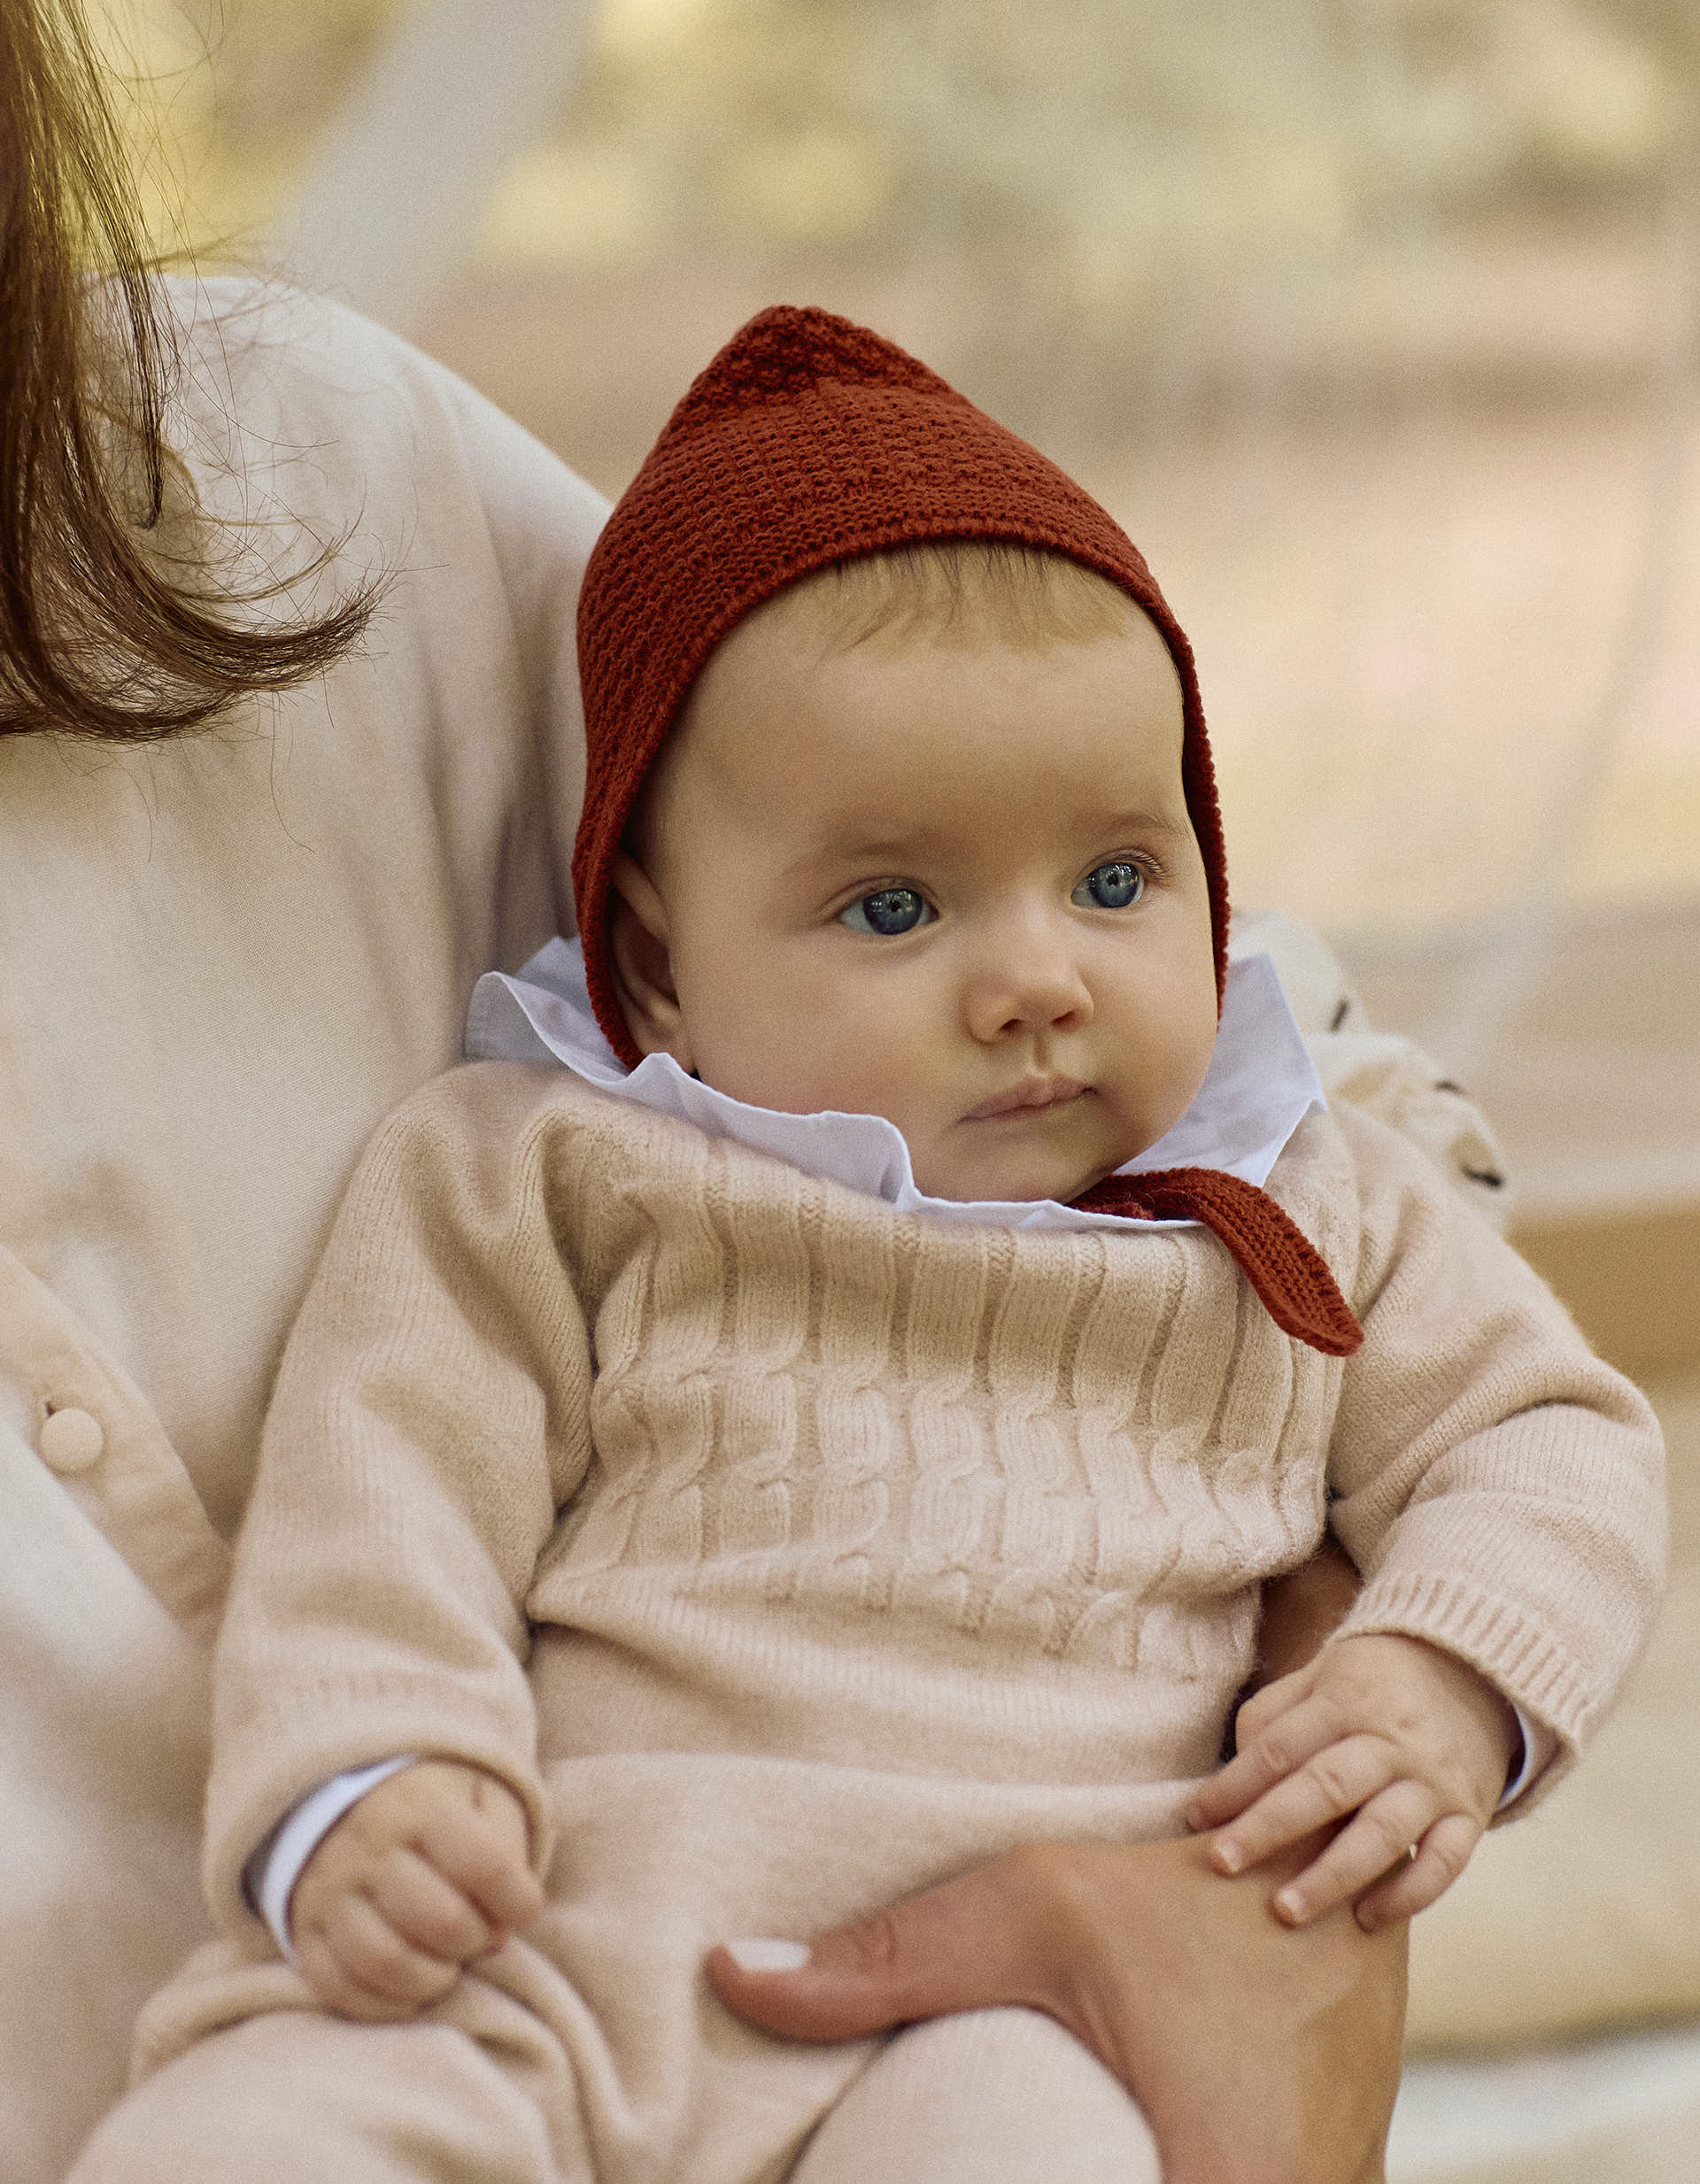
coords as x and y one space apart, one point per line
501 1885
1416 1883
481 1849
358 1965
1268 1754
428 1911
1380 1838
1333 1781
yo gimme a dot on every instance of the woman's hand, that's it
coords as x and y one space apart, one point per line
1259 2055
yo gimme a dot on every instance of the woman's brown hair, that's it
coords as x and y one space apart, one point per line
103 631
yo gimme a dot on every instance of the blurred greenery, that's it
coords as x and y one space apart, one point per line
1119 144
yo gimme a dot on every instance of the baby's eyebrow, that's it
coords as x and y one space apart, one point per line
857 850
892 851
1140 822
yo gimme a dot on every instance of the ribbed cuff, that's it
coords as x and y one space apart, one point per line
1499 1640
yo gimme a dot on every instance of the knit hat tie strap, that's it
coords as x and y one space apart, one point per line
1275 1256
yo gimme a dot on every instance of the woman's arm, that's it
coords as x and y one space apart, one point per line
1300 1610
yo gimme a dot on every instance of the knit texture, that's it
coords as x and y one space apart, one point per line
787 1553
599 1436
511 2080
810 440
1276 1257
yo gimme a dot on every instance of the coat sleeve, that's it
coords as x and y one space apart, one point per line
1500 1488
430 1420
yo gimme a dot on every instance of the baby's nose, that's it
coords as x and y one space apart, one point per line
1028 979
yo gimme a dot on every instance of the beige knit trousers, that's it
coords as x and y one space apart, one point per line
589 2050
999 2096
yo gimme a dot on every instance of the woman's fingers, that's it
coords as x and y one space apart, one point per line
1254 2049
1332 1782
1382 1836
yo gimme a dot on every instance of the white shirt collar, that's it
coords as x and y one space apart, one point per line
1260 1086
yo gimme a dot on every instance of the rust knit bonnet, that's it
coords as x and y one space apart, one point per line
810 440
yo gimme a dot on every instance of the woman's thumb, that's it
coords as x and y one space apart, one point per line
964 1945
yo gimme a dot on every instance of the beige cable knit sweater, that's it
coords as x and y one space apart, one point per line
602 1444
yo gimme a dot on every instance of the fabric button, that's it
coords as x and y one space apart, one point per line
71 1440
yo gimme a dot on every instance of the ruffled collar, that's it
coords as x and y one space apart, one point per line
1261 1085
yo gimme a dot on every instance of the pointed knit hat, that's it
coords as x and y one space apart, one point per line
810 440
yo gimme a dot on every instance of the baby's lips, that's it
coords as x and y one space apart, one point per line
1032 1092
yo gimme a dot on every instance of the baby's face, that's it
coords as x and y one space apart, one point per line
938 878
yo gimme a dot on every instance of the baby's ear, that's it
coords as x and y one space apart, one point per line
643 964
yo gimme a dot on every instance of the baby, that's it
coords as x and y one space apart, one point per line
837 1425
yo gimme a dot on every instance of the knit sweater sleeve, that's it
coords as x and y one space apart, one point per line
1500 1488
431 1419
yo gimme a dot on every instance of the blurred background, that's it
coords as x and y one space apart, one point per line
1376 322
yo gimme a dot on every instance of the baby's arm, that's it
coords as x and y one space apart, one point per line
1499 1488
428 1871
430 1423
1405 1738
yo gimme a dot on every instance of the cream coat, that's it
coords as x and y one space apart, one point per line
224 959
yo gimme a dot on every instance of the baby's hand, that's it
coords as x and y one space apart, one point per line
427 1872
1407 1737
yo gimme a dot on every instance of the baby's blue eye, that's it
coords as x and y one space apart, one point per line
887 910
1110 887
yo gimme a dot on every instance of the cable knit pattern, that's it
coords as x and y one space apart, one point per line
598 1437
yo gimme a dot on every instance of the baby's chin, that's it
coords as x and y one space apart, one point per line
1011 1182
1057 1155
